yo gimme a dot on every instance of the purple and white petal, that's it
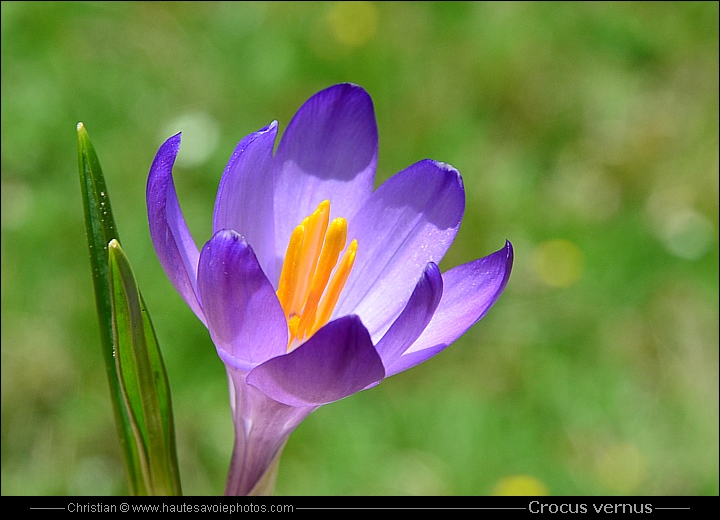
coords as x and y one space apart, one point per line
329 151
410 220
175 247
469 290
414 318
244 201
261 428
336 362
244 316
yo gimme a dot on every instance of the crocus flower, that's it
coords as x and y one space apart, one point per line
300 316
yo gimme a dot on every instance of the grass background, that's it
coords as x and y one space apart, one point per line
587 134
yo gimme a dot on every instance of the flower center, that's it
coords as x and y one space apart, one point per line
309 289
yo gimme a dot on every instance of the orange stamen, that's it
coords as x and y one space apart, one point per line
308 289
335 287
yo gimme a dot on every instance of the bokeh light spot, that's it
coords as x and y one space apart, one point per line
353 23
520 485
687 234
621 468
558 263
683 231
200 137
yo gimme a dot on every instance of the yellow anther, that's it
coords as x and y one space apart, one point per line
315 227
290 268
334 244
308 288
293 322
335 287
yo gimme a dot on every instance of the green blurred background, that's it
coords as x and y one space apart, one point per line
586 133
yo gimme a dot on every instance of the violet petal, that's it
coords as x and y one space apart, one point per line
410 220
243 313
175 247
329 151
414 318
336 362
469 290
244 201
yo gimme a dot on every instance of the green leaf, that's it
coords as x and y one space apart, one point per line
100 230
142 378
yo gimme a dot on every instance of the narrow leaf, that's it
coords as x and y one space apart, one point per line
142 378
100 230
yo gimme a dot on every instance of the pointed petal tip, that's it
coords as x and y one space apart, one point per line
228 234
164 160
433 276
231 237
167 153
503 259
273 124
172 142
447 169
347 92
510 253
510 259
346 86
431 268
444 166
450 174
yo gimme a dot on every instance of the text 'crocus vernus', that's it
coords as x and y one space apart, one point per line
300 316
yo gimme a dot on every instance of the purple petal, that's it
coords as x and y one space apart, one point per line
329 151
175 247
469 290
244 200
261 428
410 220
243 313
336 362
414 318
